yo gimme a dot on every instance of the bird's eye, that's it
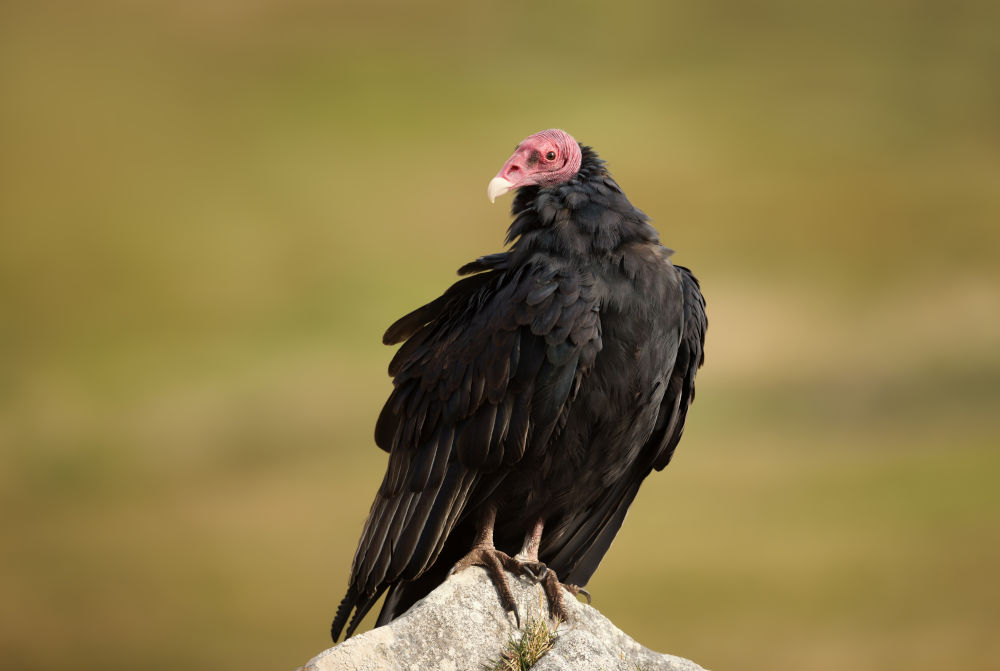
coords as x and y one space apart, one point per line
551 156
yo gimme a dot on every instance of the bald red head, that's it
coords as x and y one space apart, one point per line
546 158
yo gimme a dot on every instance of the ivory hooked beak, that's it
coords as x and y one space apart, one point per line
497 187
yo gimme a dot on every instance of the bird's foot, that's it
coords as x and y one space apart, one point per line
495 562
541 573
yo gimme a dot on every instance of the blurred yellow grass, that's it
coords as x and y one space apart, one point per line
209 212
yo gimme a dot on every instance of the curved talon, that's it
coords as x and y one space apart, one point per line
535 569
576 590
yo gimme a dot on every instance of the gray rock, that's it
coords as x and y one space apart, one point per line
460 626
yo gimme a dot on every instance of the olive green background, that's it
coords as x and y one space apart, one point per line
210 211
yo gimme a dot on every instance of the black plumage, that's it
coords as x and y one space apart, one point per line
546 384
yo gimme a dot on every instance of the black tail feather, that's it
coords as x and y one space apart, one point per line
362 610
343 612
352 602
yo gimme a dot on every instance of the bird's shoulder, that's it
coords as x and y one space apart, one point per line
498 293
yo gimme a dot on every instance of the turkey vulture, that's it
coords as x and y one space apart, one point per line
534 396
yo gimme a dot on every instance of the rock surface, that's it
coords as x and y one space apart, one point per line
460 626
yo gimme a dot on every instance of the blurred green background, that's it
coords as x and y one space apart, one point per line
209 212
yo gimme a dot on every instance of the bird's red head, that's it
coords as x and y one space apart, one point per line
546 158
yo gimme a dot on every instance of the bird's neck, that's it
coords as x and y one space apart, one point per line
588 216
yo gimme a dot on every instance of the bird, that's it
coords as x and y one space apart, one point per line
534 396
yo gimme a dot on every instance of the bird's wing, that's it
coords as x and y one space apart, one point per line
690 357
482 378
581 549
